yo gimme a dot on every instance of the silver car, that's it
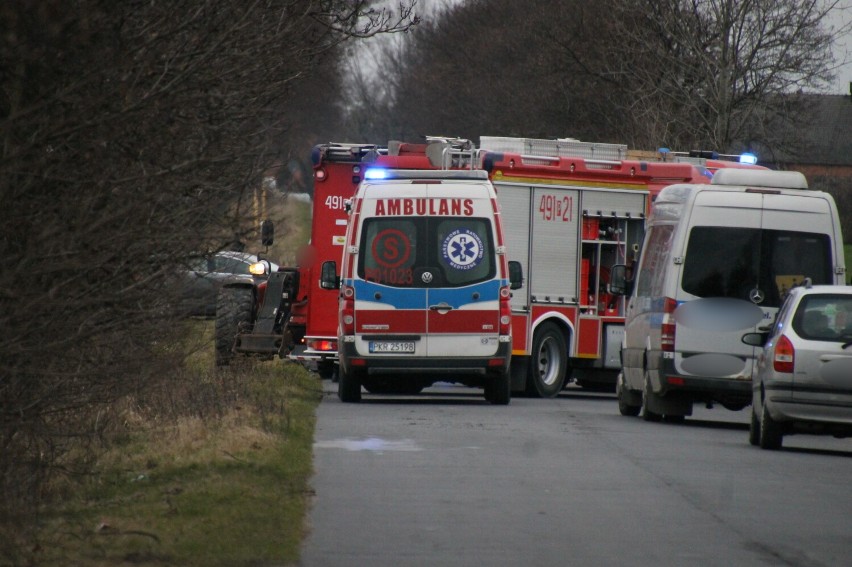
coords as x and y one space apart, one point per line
803 382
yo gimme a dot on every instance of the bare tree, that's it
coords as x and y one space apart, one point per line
130 135
710 74
714 72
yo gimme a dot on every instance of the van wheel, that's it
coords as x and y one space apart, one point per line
647 396
349 388
771 435
233 313
498 387
626 399
548 363
754 429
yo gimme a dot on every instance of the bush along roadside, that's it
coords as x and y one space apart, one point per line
206 468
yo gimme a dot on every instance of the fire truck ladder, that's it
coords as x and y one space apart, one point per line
452 153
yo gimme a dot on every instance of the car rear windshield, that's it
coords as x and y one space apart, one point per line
426 251
824 317
753 264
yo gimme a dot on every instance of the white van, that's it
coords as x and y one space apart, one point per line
716 262
425 286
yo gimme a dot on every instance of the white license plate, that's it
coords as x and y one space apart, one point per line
392 346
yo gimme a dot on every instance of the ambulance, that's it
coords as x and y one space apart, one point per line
424 285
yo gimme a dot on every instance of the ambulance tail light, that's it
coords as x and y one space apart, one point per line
347 311
785 356
505 311
668 326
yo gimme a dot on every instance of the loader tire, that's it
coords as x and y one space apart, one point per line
233 314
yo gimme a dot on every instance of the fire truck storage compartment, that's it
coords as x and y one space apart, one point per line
515 211
553 256
617 222
612 346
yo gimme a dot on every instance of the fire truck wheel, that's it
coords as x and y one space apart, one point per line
548 363
233 310
325 369
498 387
349 386
647 395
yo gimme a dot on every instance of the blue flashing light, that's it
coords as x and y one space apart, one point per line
750 159
375 173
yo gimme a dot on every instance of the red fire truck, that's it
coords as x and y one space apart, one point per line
338 169
570 211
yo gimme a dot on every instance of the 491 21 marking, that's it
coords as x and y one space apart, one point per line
556 208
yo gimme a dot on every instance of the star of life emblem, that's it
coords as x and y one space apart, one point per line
463 249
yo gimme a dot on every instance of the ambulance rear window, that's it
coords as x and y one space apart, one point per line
427 251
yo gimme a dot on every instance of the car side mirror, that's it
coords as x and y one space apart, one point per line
618 282
516 275
328 275
755 339
267 233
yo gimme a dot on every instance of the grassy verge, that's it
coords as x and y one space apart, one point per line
217 474
847 253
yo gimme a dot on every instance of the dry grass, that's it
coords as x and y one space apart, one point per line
206 469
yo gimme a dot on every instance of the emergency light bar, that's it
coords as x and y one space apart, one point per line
376 173
744 158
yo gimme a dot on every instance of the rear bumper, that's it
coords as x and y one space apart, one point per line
668 381
307 355
806 405
349 358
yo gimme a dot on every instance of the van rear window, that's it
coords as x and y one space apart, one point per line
426 251
733 262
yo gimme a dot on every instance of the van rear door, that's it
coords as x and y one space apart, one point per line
744 250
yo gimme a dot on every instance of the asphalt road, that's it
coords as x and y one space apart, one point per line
447 479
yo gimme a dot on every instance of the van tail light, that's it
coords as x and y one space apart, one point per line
668 327
785 355
505 311
347 311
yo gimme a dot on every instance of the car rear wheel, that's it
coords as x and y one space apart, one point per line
548 363
233 315
771 434
754 429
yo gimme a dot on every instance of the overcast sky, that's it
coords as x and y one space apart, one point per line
842 17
